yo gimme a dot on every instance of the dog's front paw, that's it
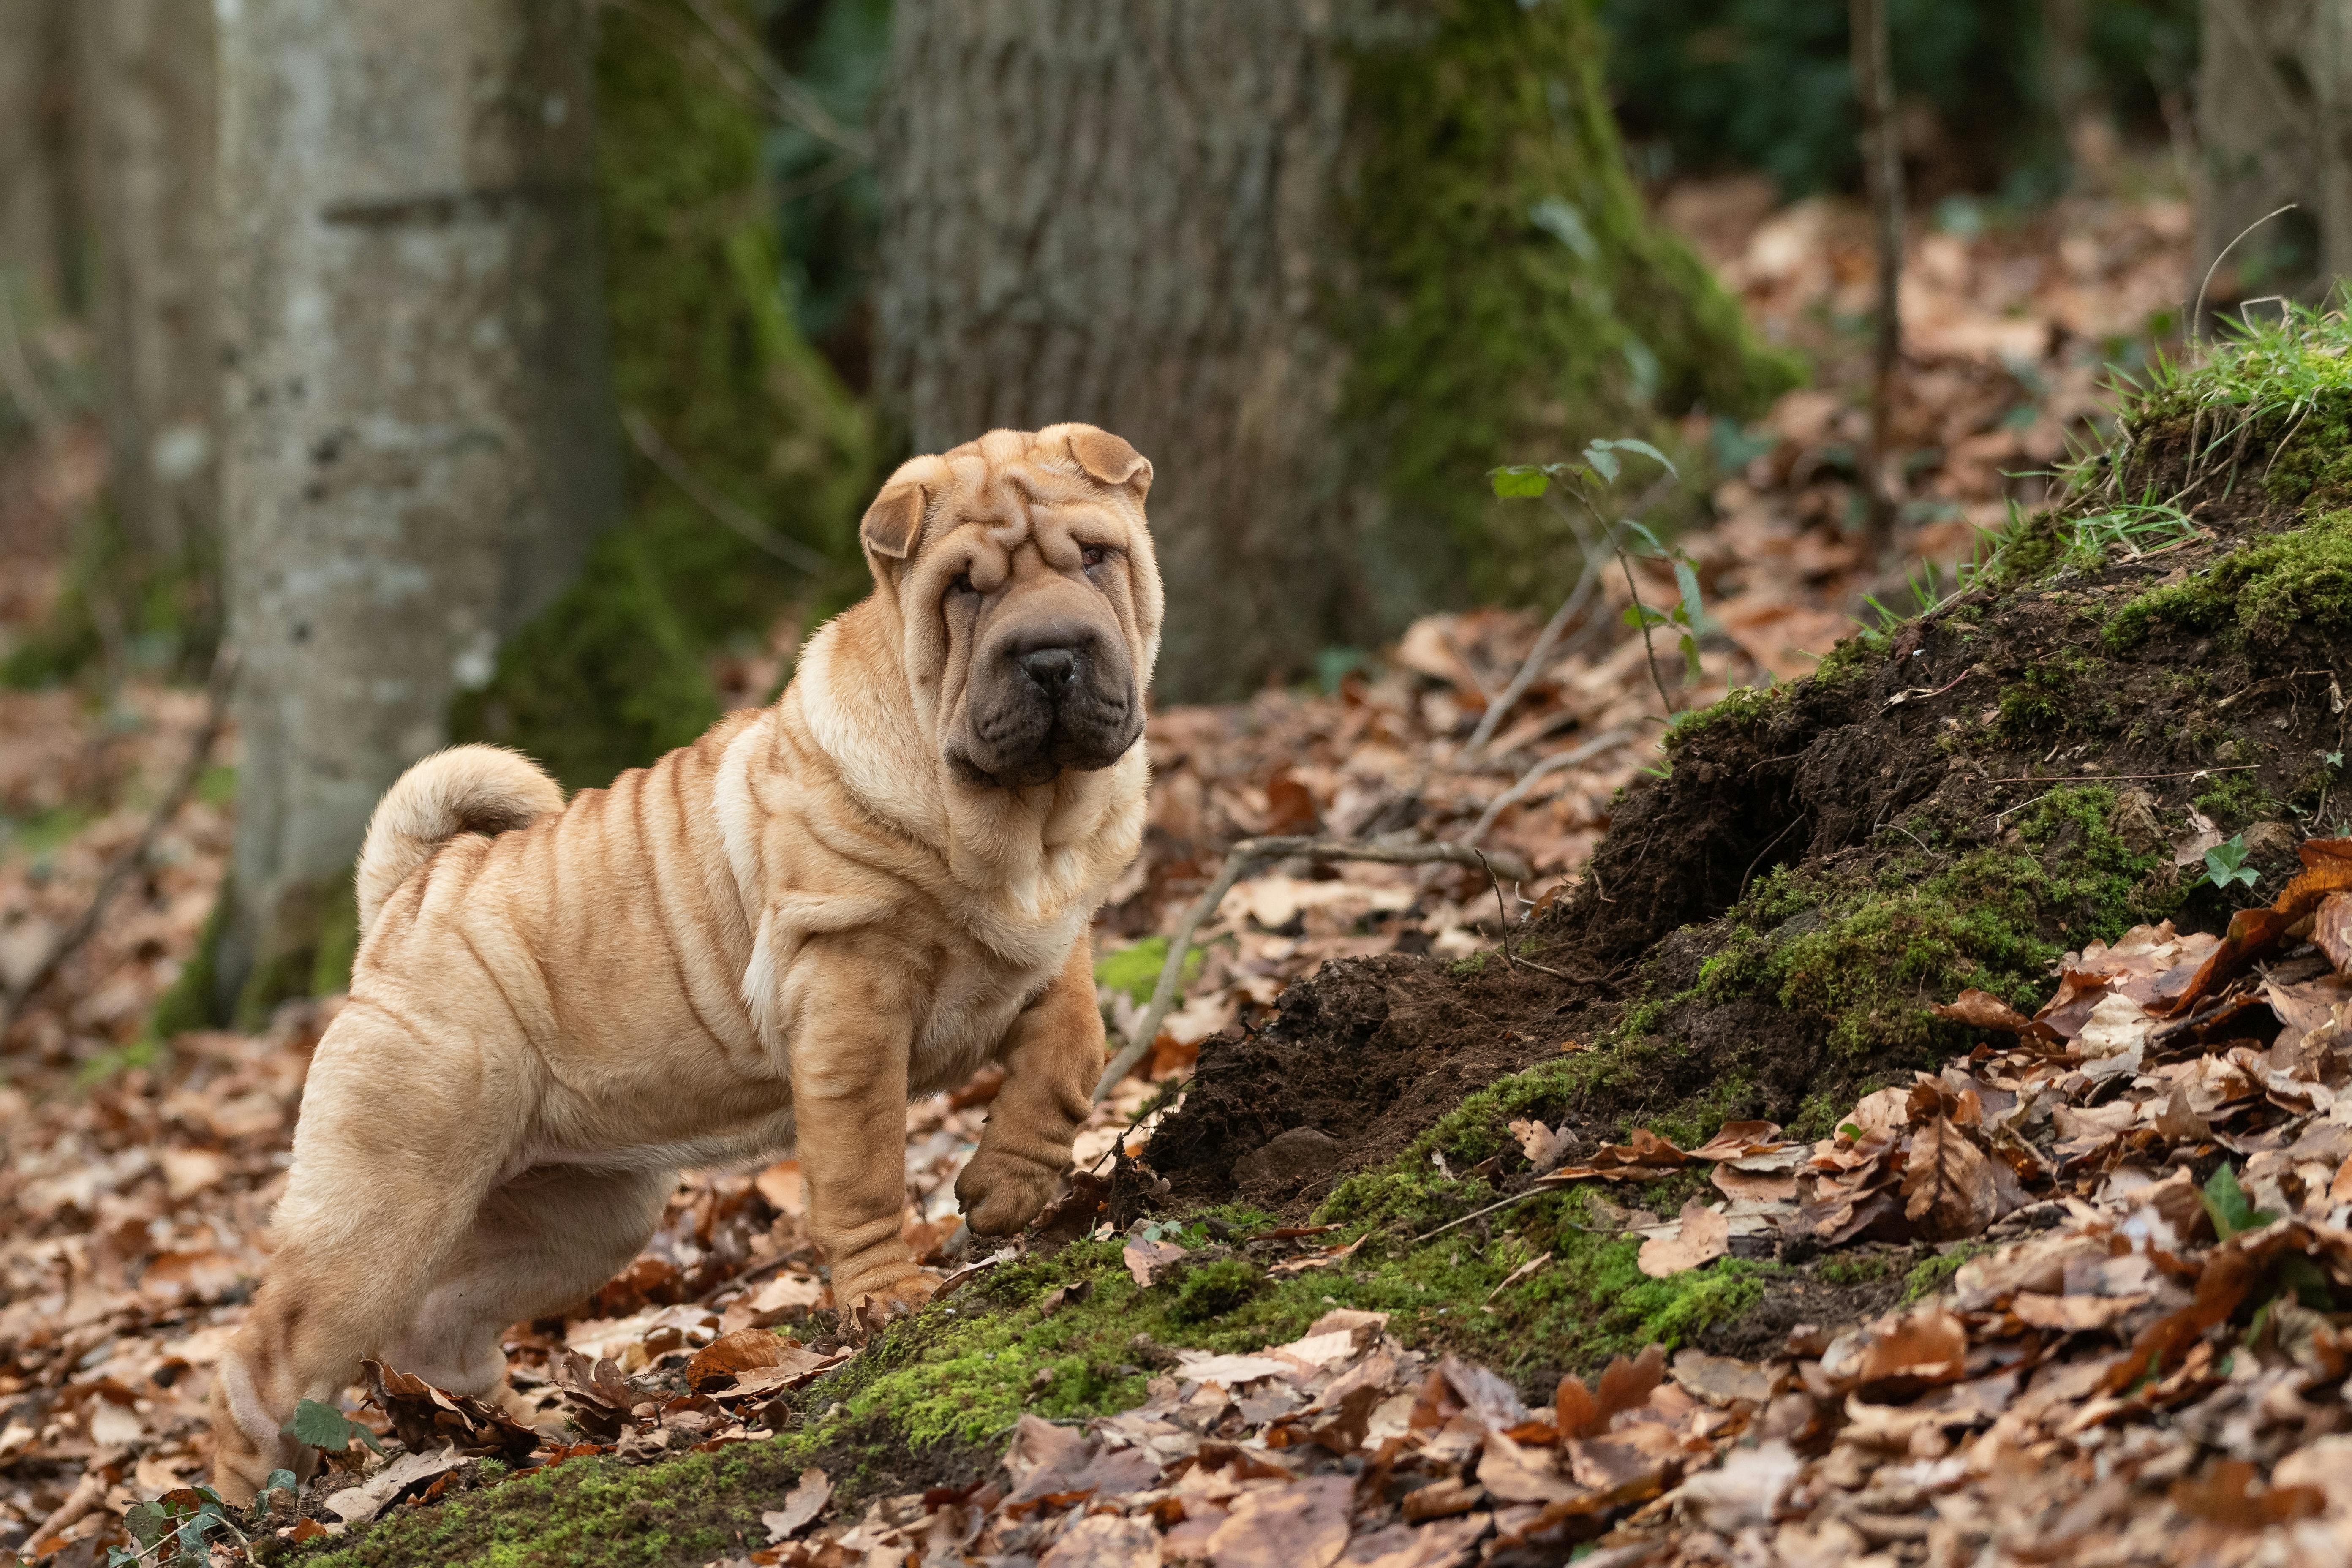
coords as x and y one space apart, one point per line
872 1310
1000 1194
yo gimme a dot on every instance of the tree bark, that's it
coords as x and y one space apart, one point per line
1123 214
420 444
36 163
1325 264
147 87
2267 83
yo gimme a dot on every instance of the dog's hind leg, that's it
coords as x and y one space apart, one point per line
403 1135
539 1244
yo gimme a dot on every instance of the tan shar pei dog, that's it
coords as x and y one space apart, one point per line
767 940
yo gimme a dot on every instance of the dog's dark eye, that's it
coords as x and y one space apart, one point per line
1093 554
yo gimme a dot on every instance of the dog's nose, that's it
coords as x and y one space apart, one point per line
1051 667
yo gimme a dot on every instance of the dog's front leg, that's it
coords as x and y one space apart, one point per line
1052 1059
849 1064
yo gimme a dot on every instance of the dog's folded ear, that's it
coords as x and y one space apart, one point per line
894 523
1108 459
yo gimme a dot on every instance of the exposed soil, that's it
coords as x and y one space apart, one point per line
1353 1064
1942 732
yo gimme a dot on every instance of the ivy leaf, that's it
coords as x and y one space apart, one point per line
2227 1205
1604 461
1691 671
1518 482
1642 532
324 1426
1641 617
2225 864
146 1521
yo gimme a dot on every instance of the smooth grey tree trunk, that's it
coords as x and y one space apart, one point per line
420 443
2272 88
35 198
149 141
1127 213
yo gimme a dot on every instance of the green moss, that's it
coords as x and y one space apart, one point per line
1135 968
2234 799
2044 703
1931 1278
1853 1270
1849 658
1517 297
1214 1290
2265 593
1742 707
705 350
592 1513
193 1000
1868 956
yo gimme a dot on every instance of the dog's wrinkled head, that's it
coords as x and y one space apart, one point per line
1029 598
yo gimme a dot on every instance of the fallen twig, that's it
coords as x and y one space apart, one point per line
1239 861
1503 917
659 453
200 750
1608 739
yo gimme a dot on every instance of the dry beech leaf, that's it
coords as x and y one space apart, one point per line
801 1505
1921 1351
1982 1010
1947 1183
1149 1261
1705 1237
1739 1141
1544 1148
2331 929
1302 1525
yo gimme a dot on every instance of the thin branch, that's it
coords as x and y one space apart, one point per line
658 452
1640 611
1503 920
1606 740
200 750
1538 657
795 104
1874 70
1240 861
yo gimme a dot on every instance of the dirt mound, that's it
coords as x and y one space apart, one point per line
1354 1063
2032 763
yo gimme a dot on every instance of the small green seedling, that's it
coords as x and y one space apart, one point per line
2225 865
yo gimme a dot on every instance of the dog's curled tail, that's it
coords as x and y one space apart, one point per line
466 789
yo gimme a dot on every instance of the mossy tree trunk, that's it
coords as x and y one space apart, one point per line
421 435
1324 265
147 87
2274 125
707 358
36 217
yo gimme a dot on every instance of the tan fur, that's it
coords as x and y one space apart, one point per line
768 940
466 789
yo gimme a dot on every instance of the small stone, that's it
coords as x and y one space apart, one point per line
1289 1161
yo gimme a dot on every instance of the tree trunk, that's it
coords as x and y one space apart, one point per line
746 419
147 87
1324 264
35 164
420 443
2265 86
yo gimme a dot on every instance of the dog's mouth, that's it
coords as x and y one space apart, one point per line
1042 711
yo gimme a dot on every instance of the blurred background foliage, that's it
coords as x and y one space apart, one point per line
1707 86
